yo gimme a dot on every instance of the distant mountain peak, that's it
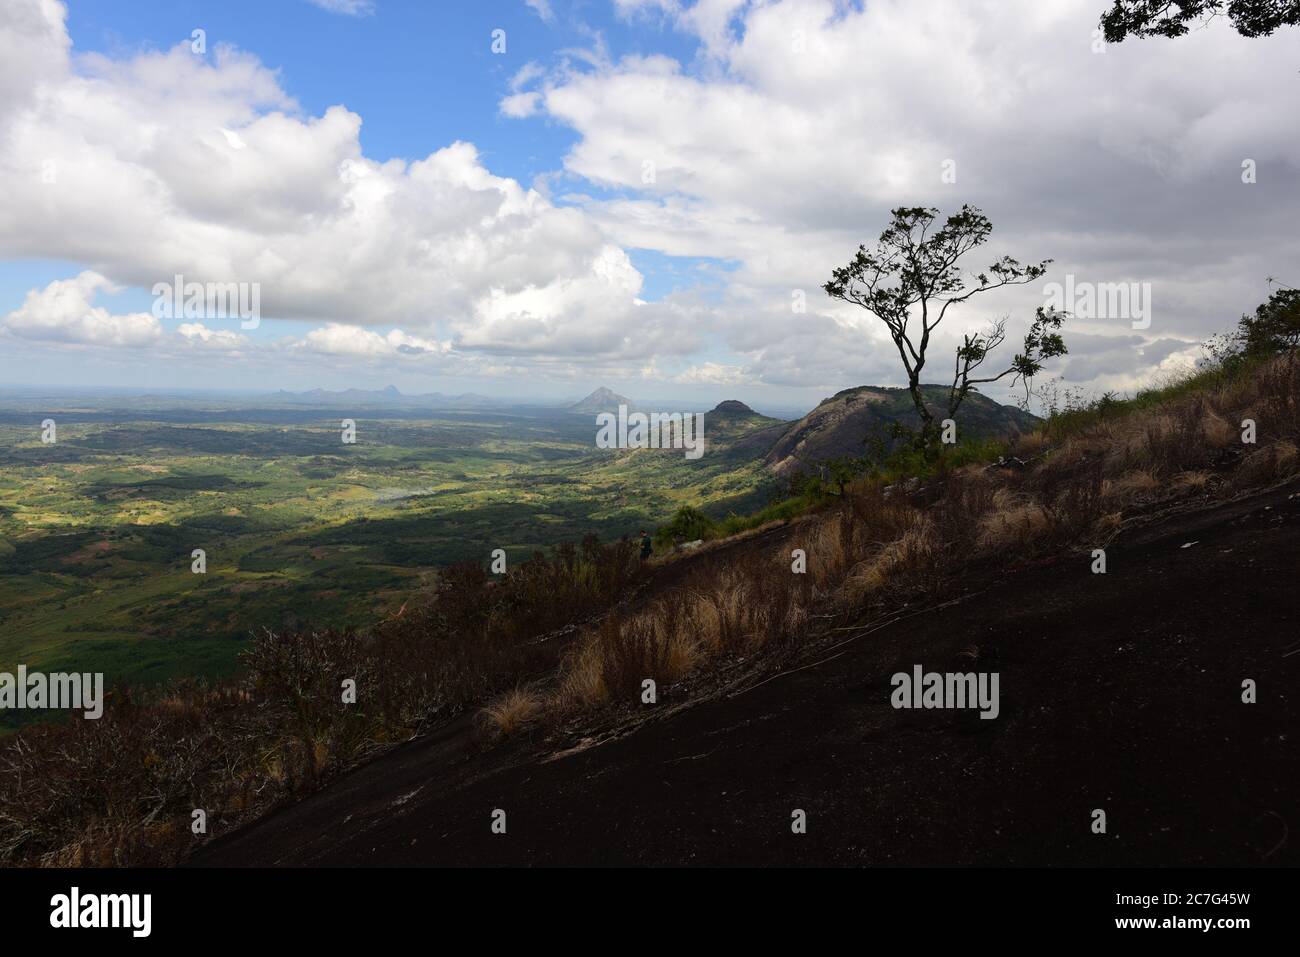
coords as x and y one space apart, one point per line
732 409
603 394
602 400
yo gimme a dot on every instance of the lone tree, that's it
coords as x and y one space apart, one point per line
1171 18
912 275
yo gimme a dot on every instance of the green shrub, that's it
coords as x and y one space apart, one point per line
687 525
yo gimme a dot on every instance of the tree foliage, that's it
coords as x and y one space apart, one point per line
1273 329
911 278
1174 18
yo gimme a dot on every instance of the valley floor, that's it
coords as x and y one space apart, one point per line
1120 692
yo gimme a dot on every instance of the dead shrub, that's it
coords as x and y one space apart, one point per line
1278 388
1266 465
1030 444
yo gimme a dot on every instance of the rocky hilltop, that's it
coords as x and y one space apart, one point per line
843 424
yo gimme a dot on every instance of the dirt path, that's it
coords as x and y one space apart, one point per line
1119 691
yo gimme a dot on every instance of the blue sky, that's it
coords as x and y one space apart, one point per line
420 73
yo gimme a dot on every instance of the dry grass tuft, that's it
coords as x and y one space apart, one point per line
1028 445
1012 527
1194 481
1217 431
513 711
1128 486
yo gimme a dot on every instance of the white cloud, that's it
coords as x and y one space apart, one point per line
710 20
215 340
172 163
523 102
64 312
542 8
34 47
520 105
350 8
802 122
711 373
340 339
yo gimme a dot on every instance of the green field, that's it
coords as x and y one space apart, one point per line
97 530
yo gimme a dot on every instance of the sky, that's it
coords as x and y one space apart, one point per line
530 198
